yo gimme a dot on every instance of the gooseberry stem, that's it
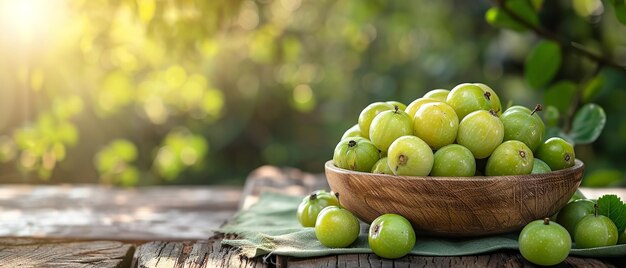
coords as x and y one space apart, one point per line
538 108
313 197
595 209
546 221
396 108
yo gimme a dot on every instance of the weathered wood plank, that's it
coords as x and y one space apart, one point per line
226 256
25 252
203 253
348 260
159 254
197 255
107 213
496 259
589 262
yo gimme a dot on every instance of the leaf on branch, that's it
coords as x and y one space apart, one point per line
522 8
611 205
593 88
537 4
542 63
620 11
551 115
560 95
498 18
588 124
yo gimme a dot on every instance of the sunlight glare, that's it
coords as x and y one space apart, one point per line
27 20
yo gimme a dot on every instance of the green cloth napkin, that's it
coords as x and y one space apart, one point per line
270 227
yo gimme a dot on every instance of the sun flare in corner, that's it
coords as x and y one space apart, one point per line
26 20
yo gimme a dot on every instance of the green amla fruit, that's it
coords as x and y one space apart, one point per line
356 154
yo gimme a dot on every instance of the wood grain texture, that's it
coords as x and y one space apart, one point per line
448 206
192 254
91 212
497 259
25 252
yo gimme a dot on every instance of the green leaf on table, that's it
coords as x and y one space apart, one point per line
593 88
542 63
560 95
611 205
522 8
588 123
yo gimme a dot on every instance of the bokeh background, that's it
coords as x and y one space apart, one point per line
143 92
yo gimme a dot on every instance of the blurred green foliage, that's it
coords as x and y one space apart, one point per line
139 92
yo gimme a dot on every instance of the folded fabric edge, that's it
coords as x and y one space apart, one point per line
236 219
246 247
600 252
250 249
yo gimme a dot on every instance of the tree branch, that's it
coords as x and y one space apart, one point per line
568 45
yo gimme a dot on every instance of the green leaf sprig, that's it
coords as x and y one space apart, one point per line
611 205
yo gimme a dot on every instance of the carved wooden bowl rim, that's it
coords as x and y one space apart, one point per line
578 164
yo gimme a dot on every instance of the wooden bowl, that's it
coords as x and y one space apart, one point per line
456 206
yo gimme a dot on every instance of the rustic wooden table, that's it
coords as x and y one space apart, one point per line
96 226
